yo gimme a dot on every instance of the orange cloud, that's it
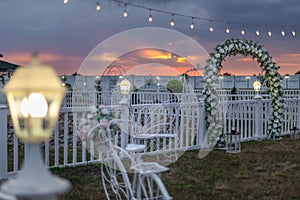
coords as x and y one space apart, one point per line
154 54
181 60
294 55
246 59
63 64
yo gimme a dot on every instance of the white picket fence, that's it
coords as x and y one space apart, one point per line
249 117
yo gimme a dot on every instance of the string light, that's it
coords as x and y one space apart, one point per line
98 6
125 12
227 29
211 28
172 23
192 24
257 32
293 32
282 32
270 32
150 19
290 27
243 31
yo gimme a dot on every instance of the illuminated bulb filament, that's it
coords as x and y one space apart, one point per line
172 23
98 6
211 29
227 30
257 32
270 33
125 13
34 106
150 18
192 25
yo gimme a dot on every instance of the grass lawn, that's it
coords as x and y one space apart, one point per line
263 170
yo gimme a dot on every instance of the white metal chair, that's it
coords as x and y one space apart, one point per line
117 164
155 127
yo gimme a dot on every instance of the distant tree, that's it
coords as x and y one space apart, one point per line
76 74
227 74
298 72
185 77
149 81
174 86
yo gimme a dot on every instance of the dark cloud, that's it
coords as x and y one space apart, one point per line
76 28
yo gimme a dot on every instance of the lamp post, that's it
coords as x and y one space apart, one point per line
125 87
257 97
34 96
256 87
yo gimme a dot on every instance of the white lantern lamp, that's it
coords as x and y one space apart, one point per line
125 87
256 87
34 96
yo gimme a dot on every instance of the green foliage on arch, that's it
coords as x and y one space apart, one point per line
212 69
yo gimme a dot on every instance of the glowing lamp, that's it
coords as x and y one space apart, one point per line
34 96
125 86
256 87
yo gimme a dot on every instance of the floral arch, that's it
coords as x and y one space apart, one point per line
232 47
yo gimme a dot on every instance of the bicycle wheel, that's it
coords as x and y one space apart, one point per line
115 180
151 187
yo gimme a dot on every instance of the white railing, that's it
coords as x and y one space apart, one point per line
250 117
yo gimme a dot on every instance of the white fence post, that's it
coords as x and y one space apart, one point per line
3 143
257 121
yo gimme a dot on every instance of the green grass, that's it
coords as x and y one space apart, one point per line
263 170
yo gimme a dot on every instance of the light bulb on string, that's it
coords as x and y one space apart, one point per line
257 32
227 30
192 24
282 32
243 31
270 32
98 6
172 23
66 1
125 14
150 19
293 32
211 28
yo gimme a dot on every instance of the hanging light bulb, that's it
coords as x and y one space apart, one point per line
293 32
98 6
257 32
243 31
270 32
227 29
150 19
192 24
172 23
211 28
125 12
66 1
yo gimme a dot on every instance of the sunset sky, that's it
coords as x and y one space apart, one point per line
65 34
